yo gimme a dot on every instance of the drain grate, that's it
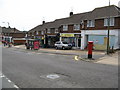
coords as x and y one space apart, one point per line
53 76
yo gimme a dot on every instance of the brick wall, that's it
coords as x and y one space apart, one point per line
19 42
18 35
99 25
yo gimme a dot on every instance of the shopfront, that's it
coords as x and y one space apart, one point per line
74 39
40 39
51 41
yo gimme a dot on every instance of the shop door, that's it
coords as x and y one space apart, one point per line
79 42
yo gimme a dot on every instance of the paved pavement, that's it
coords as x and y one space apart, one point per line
99 56
109 59
28 69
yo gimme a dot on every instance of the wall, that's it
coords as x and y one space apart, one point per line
113 36
99 25
16 42
18 35
100 41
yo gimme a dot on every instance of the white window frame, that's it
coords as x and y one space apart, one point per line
56 31
76 27
65 27
48 30
37 32
105 22
42 32
90 23
112 21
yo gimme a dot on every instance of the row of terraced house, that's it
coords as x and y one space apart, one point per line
77 28
81 28
12 35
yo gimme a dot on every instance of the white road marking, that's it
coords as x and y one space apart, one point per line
3 76
6 78
16 86
9 81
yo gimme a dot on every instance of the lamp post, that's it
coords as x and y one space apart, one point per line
108 34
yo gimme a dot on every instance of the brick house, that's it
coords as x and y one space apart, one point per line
13 35
92 26
83 27
46 33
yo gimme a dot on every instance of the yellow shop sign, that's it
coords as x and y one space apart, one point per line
42 38
67 35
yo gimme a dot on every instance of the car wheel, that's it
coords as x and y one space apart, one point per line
56 47
63 48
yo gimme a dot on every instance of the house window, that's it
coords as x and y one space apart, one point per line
52 30
76 27
65 27
48 30
42 32
56 30
32 33
37 33
90 23
112 22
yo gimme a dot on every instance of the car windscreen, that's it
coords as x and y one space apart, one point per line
65 43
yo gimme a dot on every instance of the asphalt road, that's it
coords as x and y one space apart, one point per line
33 70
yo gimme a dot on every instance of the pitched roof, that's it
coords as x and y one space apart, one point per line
97 13
10 30
104 12
42 27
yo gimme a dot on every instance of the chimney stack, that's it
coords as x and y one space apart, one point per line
71 13
43 22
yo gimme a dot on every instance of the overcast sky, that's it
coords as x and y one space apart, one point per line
26 14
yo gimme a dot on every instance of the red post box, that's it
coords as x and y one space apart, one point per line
36 45
90 47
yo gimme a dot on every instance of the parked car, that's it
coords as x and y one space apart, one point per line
63 45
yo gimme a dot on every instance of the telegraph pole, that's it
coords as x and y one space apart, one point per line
108 48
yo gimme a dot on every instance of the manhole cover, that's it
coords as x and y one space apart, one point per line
53 76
